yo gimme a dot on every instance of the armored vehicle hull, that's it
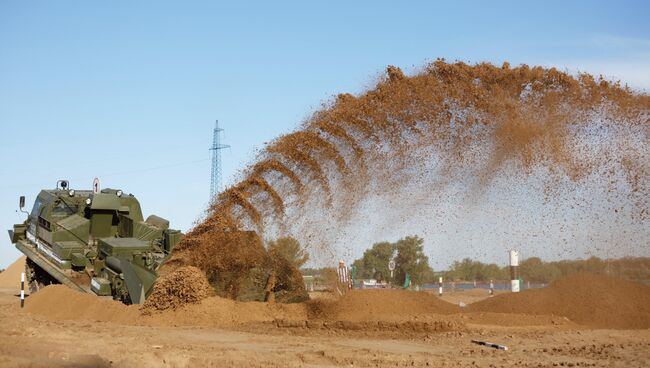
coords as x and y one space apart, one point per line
93 241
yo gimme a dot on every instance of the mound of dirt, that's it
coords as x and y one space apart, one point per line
58 302
185 285
10 277
222 312
61 302
591 300
385 305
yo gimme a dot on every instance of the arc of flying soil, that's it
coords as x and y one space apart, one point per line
440 89
293 153
235 196
337 131
361 124
219 220
263 185
353 182
348 110
384 106
313 141
277 166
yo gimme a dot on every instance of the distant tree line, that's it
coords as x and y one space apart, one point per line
408 255
536 270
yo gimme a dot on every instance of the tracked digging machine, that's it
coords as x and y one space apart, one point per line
93 241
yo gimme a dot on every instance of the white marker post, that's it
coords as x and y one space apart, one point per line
514 271
440 286
22 290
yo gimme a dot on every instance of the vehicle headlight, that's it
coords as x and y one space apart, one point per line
119 193
71 192
88 201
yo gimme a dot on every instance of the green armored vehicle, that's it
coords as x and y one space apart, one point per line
93 241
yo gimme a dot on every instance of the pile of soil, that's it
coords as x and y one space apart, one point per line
222 312
61 302
384 305
10 277
185 285
591 300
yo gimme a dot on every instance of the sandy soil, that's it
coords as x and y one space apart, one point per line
39 340
466 296
10 278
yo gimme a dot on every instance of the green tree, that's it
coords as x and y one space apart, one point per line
374 263
289 249
411 259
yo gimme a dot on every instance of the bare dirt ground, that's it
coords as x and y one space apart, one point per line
36 339
467 296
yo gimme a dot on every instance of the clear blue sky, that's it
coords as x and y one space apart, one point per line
128 91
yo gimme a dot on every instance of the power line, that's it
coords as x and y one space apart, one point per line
146 169
149 155
117 173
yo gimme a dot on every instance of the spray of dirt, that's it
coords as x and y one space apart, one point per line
236 263
264 186
410 139
274 165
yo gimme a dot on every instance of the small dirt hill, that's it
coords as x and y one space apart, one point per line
372 305
10 277
185 285
61 302
591 300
